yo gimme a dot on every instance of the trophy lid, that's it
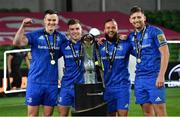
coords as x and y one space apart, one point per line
94 31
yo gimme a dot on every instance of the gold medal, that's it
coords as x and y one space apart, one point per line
138 60
53 62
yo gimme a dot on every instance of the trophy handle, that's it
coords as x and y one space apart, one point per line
100 64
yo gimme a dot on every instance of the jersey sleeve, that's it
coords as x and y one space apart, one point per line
64 38
159 37
30 37
131 44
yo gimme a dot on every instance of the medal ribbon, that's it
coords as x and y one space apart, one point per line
77 56
51 48
138 44
111 60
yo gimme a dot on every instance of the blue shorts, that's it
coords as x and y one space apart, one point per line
38 94
146 91
66 97
117 98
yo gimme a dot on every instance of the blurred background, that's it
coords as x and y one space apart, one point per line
89 5
92 13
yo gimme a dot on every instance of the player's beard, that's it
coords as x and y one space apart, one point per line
140 26
111 39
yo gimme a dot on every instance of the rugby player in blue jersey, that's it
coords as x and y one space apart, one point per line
73 72
115 57
152 55
42 84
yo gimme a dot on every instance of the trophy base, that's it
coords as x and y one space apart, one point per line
89 100
99 111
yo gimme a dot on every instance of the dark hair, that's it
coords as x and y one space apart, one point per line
135 9
109 20
73 21
50 11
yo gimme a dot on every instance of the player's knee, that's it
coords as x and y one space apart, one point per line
147 109
148 113
123 113
47 114
32 113
160 109
48 111
63 111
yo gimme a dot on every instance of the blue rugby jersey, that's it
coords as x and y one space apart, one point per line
119 75
72 72
150 54
41 70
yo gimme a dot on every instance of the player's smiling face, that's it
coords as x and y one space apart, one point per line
137 19
111 29
51 22
75 31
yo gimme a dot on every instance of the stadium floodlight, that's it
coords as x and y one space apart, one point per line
5 70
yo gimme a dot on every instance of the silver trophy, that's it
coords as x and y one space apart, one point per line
89 52
88 46
89 96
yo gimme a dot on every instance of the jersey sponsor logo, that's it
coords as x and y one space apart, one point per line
147 45
161 38
117 57
69 56
45 47
42 47
119 48
158 99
